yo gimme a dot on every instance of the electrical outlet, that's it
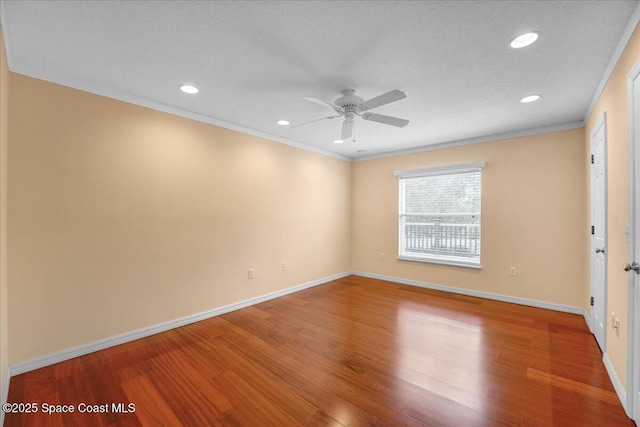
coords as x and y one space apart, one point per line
615 323
250 273
382 256
513 272
284 266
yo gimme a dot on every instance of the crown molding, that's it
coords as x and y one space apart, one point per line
615 57
159 106
4 25
469 141
181 112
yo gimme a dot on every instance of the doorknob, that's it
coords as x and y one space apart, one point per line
633 266
598 250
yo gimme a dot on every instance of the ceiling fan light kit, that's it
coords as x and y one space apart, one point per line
350 105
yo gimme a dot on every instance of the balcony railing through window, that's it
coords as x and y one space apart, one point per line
441 235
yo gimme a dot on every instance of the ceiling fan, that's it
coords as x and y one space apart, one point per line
350 105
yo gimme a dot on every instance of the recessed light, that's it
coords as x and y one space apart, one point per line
284 122
338 141
524 40
189 89
530 98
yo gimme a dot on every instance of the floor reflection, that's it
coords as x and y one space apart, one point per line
443 355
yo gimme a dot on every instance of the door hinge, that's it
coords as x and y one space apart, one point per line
593 229
592 159
591 300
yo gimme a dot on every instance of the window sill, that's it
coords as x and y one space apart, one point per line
450 263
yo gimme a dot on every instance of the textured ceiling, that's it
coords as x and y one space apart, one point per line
254 61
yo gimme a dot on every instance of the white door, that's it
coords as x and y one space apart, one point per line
633 336
633 350
599 231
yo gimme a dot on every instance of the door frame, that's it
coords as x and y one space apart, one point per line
602 122
632 406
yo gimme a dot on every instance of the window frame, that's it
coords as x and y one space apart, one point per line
434 171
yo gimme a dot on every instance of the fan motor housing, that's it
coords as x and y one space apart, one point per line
349 100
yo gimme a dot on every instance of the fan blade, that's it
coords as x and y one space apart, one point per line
347 130
385 98
335 107
387 120
313 121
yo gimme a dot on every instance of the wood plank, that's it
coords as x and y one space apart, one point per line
352 352
576 386
188 392
153 409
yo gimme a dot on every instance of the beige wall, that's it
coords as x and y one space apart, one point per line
533 218
122 217
613 101
4 141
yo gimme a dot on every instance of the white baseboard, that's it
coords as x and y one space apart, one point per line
587 319
617 385
81 350
480 294
5 393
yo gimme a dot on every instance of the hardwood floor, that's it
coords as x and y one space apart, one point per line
352 352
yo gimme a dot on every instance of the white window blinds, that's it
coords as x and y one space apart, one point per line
439 217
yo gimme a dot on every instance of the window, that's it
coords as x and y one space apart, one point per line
439 217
